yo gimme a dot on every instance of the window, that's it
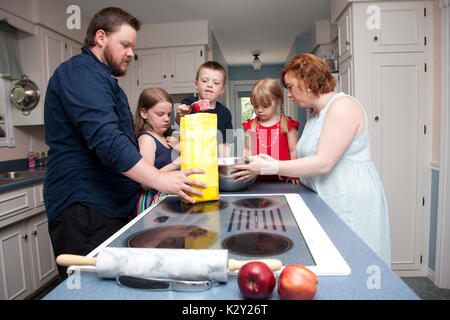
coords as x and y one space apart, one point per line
246 109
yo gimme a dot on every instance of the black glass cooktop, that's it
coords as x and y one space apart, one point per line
247 226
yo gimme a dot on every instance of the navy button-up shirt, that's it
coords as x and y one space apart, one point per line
89 129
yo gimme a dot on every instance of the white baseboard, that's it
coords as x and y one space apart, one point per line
410 273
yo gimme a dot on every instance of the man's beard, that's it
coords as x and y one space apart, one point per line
117 71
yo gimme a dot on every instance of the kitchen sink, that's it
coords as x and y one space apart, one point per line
13 176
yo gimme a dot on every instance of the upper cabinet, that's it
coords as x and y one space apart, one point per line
345 41
57 49
173 69
41 54
403 28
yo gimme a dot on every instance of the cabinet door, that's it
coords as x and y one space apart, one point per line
15 202
73 48
44 265
346 76
15 263
54 51
184 64
397 147
153 70
344 26
401 28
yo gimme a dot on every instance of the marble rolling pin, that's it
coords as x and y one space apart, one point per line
175 264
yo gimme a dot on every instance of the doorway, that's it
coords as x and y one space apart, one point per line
241 111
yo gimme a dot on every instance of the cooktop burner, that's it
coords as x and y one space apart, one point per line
175 205
255 203
173 237
257 244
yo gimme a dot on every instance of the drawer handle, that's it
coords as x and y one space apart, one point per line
24 236
34 232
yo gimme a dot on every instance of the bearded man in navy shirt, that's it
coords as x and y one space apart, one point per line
94 166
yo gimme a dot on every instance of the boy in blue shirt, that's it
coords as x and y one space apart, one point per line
210 84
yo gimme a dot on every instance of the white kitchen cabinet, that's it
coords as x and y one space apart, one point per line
398 103
401 28
41 54
44 265
344 29
346 76
389 70
324 32
27 262
56 49
15 266
173 69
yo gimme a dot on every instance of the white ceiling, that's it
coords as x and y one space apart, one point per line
241 27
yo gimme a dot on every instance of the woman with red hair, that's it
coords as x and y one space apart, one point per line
333 153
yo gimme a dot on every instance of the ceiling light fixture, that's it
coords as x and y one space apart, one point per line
256 63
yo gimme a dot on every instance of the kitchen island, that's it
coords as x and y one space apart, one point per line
370 278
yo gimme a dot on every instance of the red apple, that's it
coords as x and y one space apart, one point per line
256 280
297 283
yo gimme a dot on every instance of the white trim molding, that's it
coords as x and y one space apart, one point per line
442 274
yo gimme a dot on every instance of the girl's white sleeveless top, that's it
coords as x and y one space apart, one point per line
353 187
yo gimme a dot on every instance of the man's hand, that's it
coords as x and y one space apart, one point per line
177 182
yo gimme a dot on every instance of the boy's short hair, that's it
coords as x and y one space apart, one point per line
213 65
109 20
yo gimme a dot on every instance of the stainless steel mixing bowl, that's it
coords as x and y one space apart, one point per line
226 181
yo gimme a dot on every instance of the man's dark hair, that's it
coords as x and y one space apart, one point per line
109 20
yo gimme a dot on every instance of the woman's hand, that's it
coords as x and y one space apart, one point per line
261 164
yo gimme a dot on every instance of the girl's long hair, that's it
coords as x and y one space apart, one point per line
263 93
147 100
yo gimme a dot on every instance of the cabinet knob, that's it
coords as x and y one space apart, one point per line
171 75
24 236
34 232
375 38
164 76
376 118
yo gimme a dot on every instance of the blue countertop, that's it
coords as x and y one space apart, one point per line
22 183
370 279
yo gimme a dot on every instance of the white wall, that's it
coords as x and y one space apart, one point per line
48 13
186 33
